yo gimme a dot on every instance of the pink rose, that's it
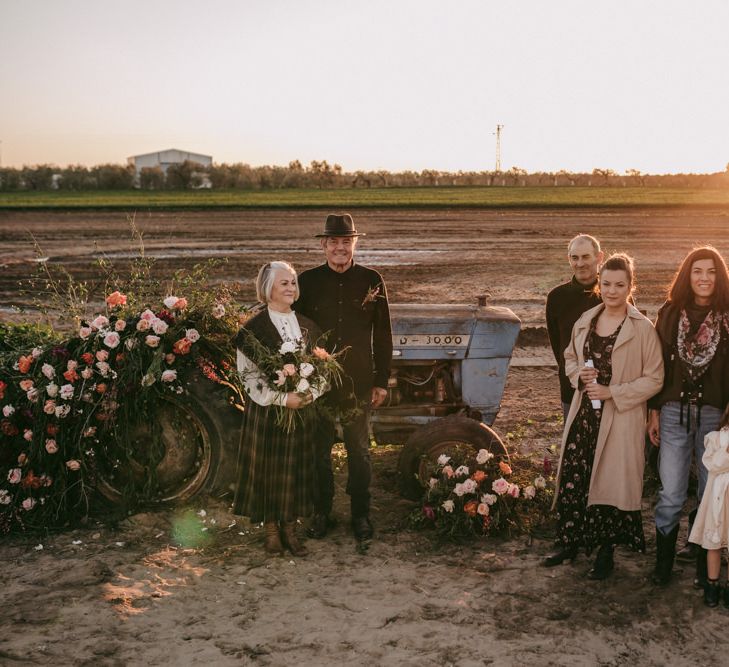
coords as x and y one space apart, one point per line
28 504
49 407
159 326
192 335
500 486
51 446
120 325
530 492
73 464
111 340
483 509
100 322
72 365
84 332
169 376
143 325
48 371
32 395
102 355
170 358
513 491
448 471
152 341
180 304
14 475
289 369
86 373
28 434
148 315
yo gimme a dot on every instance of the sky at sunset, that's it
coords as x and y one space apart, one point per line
388 84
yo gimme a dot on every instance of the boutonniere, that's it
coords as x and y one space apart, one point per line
372 294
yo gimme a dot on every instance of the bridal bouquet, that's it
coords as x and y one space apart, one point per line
292 368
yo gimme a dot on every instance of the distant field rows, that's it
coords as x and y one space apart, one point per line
424 197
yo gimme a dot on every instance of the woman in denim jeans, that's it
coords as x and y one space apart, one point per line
693 326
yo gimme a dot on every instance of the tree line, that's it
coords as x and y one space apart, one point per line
320 174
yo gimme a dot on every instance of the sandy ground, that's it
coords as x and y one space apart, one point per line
189 586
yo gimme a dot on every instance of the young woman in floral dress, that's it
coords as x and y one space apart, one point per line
693 328
600 478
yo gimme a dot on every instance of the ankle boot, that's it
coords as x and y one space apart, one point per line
701 568
712 592
272 541
290 541
559 557
665 553
604 563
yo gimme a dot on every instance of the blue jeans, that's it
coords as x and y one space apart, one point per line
674 458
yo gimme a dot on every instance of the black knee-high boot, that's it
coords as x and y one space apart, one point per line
665 553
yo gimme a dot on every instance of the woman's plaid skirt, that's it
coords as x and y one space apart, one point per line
276 476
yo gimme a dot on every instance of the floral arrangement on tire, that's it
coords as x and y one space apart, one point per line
476 494
68 405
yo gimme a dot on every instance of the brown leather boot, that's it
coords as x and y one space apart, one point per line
290 541
272 542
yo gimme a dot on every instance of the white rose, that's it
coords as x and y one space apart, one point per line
152 341
448 505
52 389
459 490
62 411
131 343
530 492
67 392
32 395
36 352
218 311
443 459
303 386
488 498
192 335
103 367
170 301
470 485
87 373
540 482
306 369
159 326
8 410
462 471
48 371
287 347
433 482
483 456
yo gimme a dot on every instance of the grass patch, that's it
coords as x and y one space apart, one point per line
424 197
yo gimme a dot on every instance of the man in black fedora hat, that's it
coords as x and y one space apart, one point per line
349 301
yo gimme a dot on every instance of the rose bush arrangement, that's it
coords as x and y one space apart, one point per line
67 406
473 494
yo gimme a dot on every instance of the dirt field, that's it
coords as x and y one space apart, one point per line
178 587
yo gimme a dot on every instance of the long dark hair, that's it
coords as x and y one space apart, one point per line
680 292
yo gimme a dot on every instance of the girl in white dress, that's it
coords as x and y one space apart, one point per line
711 527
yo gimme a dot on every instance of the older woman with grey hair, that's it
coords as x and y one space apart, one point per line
275 468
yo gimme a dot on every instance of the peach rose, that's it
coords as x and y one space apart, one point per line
116 299
24 364
505 467
470 508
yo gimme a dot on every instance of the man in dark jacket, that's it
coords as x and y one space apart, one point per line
566 302
349 303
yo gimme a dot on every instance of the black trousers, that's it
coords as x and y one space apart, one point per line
357 444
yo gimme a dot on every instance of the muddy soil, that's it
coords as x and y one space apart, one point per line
191 585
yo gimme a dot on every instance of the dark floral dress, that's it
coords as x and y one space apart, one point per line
577 524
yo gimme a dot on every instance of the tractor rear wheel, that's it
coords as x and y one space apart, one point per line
444 436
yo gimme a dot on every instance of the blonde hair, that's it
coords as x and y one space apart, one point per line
265 278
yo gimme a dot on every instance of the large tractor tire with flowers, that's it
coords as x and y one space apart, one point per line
198 433
450 435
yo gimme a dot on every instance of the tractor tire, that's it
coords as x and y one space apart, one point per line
444 435
200 433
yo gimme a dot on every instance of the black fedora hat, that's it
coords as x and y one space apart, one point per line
339 225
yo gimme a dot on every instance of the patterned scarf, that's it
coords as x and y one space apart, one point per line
697 351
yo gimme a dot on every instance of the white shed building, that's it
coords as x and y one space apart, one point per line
164 159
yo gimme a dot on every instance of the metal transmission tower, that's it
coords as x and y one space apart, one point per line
498 147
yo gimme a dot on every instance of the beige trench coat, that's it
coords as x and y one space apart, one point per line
637 374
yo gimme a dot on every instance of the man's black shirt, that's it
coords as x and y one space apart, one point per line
351 307
565 304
